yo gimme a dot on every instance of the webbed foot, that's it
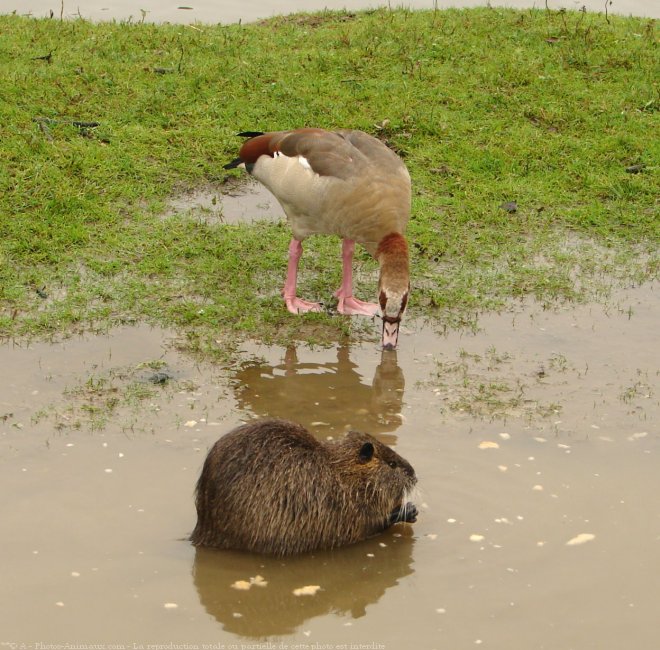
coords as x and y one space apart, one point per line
299 306
352 306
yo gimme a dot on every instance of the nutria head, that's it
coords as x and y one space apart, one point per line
376 474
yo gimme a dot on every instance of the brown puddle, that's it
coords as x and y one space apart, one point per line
244 201
538 430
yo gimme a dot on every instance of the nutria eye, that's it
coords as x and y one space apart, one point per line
392 463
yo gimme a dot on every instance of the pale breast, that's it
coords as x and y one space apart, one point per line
364 207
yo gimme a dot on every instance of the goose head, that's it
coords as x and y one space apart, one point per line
393 285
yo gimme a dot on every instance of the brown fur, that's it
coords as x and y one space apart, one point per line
270 487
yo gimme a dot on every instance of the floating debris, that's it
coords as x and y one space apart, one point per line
488 444
477 538
244 585
159 377
170 605
309 590
582 538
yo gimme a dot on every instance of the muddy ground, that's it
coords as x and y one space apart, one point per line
535 440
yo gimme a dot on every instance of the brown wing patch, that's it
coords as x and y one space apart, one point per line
256 147
327 152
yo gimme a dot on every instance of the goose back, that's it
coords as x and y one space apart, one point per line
343 182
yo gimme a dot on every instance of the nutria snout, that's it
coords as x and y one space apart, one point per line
270 487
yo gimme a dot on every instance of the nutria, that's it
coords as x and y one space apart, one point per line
270 487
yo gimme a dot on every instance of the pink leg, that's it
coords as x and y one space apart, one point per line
348 304
294 304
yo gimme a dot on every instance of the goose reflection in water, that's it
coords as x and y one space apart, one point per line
325 395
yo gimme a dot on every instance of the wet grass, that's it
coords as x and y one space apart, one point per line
121 392
491 387
531 137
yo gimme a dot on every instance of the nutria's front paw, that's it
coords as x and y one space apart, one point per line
409 513
404 514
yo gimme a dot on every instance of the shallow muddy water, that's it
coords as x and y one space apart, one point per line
244 201
232 11
535 441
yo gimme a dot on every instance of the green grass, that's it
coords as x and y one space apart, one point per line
486 106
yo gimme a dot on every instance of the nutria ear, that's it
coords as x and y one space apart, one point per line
366 452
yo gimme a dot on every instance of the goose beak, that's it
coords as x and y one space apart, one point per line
390 333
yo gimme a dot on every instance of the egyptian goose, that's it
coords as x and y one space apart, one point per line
343 183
